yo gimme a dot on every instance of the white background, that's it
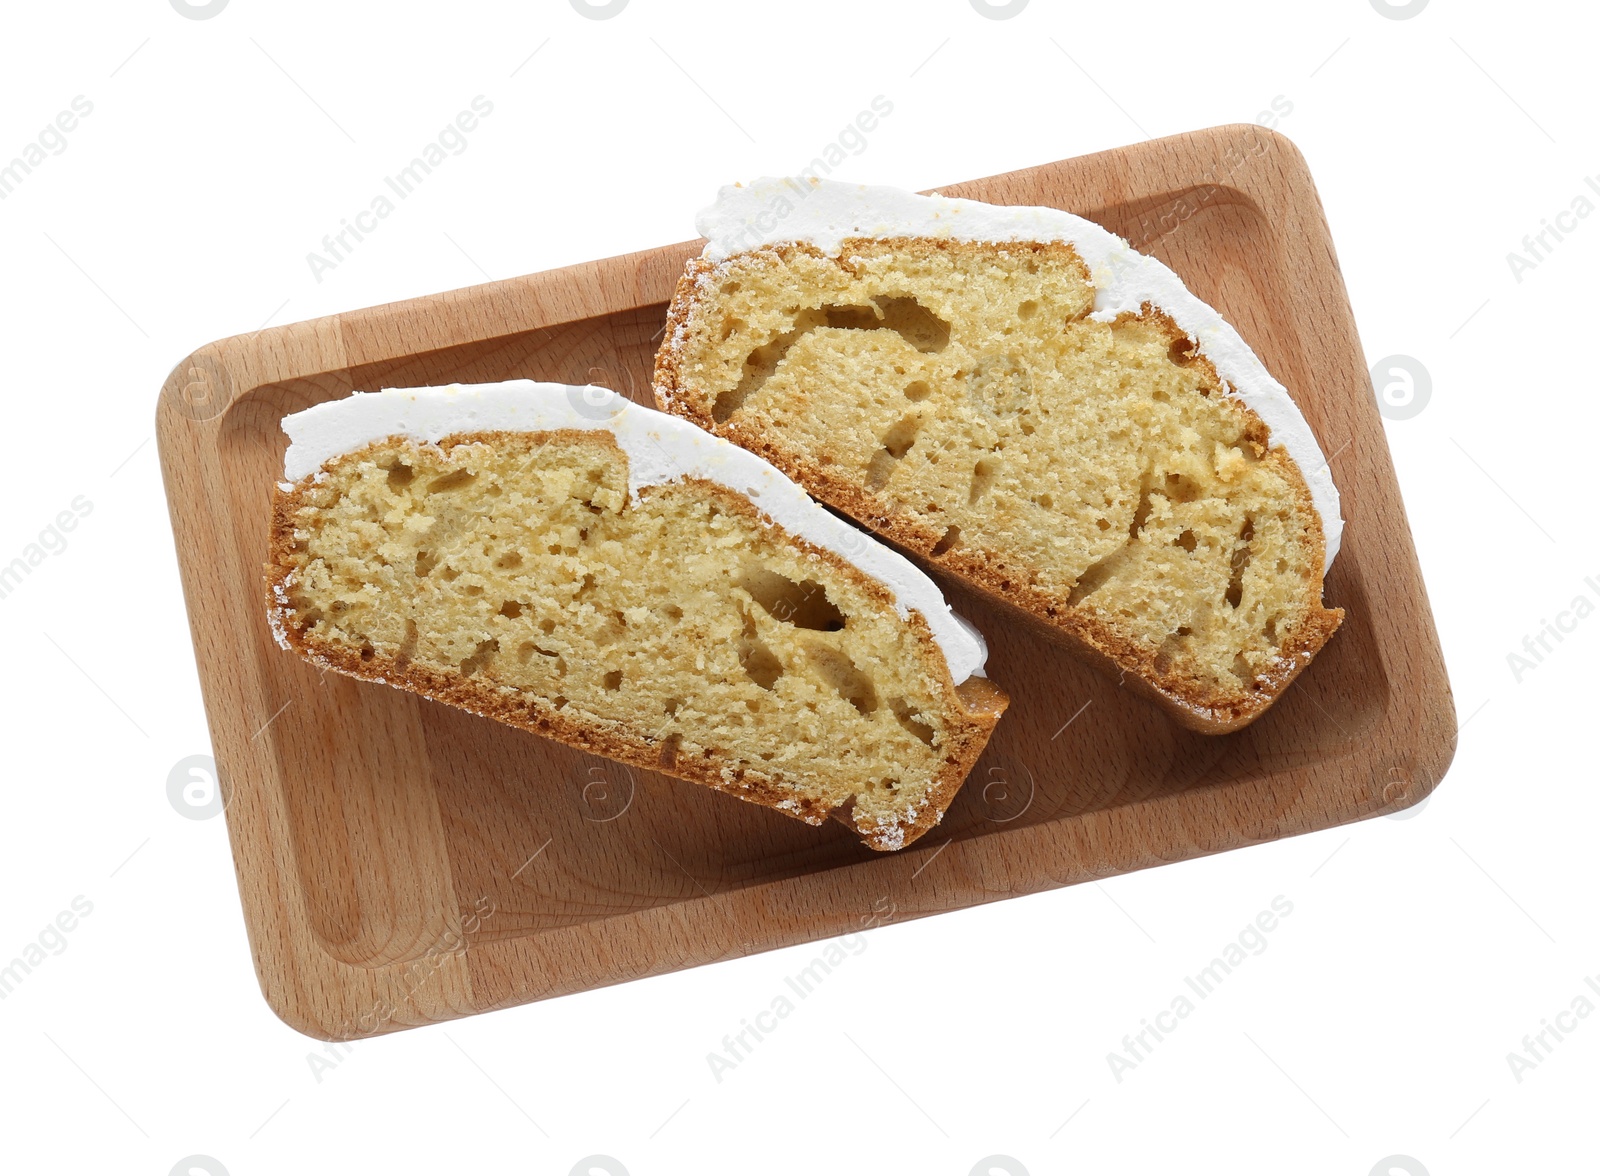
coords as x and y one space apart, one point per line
1378 1020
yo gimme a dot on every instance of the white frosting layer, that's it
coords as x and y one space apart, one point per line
825 213
660 448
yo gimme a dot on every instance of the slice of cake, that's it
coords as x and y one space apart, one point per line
1021 398
618 579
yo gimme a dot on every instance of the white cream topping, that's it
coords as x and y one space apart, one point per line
661 448
826 213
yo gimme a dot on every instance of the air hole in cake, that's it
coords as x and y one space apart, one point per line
400 476
731 287
511 608
918 390
672 612
906 718
902 435
949 539
731 326
547 626
852 318
879 469
897 442
1027 310
1240 562
846 678
481 657
1271 630
671 706
669 751
1047 502
1161 396
1182 351
983 476
408 644
1242 670
454 480
907 317
758 661
367 653
1187 541
914 323
1141 513
1103 524
559 701
510 560
613 680
473 590
804 605
449 574
1182 488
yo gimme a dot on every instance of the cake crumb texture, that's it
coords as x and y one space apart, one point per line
958 397
676 628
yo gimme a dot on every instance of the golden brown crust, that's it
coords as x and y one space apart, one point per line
976 704
1078 627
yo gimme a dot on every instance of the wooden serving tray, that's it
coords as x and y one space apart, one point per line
401 862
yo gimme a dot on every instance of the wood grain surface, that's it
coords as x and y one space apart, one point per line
401 863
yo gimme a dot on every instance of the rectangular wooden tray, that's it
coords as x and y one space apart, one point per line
402 863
